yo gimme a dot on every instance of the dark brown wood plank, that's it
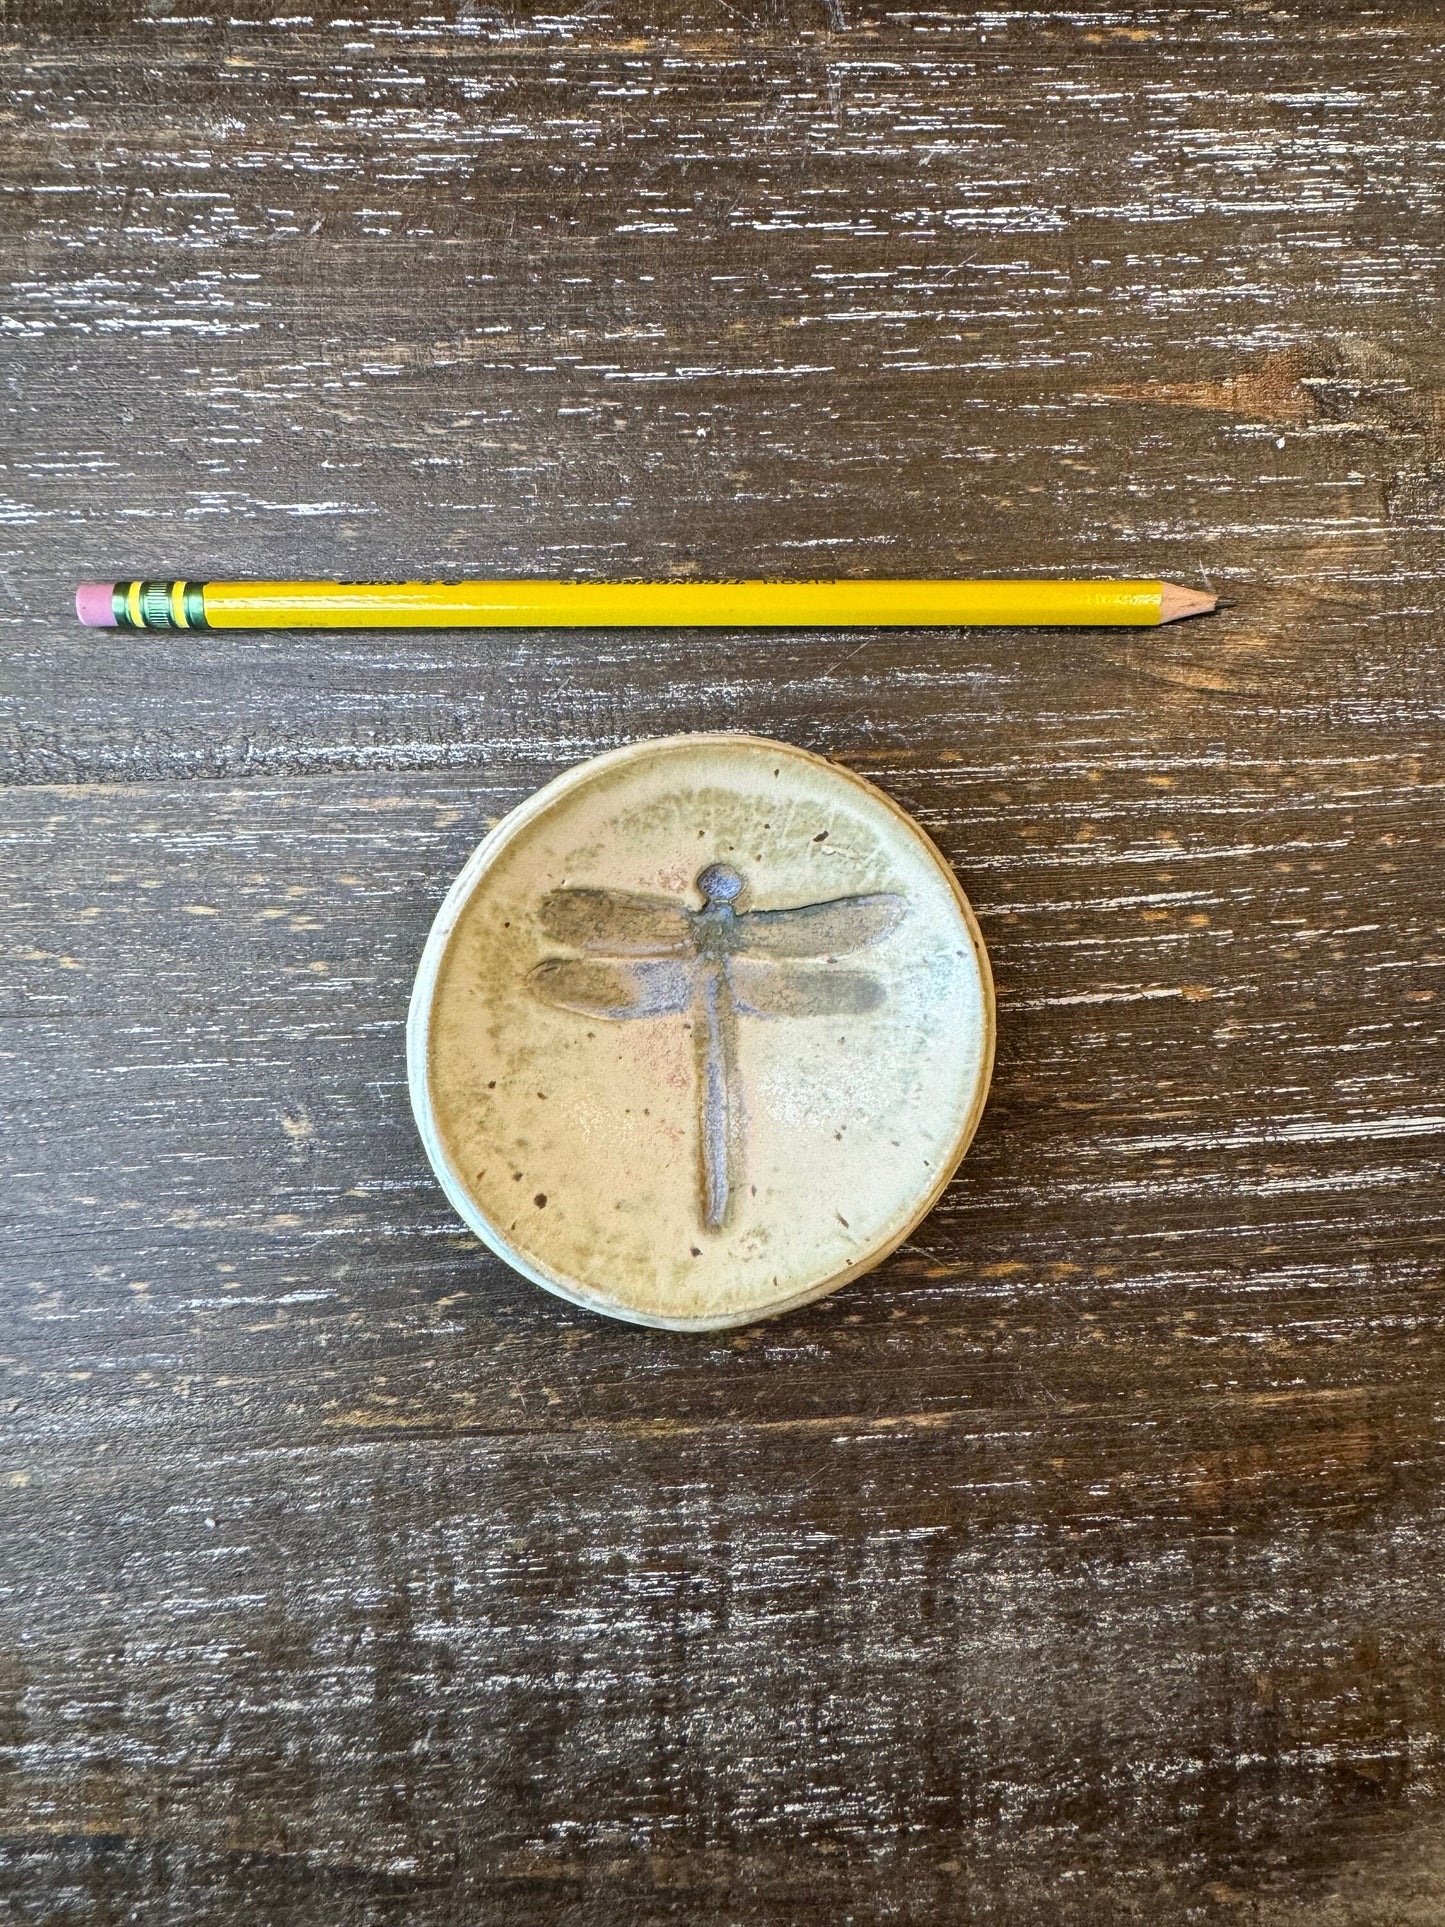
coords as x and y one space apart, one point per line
943 293
425 1680
1125 1377
1081 1565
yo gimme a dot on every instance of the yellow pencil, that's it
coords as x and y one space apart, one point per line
649 605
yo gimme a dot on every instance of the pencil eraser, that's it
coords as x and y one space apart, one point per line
93 605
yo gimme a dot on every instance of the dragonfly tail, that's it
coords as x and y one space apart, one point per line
717 1101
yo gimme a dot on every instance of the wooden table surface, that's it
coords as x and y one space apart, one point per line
1086 1563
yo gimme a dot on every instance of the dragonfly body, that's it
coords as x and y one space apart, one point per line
651 957
715 1028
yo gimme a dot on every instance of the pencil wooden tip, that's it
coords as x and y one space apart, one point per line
1175 603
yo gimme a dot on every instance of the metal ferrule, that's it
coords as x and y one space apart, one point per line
159 605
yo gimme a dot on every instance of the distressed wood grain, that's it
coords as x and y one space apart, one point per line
1084 1563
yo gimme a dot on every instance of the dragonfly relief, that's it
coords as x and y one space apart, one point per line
655 957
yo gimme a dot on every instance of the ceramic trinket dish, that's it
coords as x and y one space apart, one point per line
700 1032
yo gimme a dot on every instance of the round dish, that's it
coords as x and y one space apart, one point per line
701 1031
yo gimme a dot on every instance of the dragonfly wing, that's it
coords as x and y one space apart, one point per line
819 929
772 990
615 922
642 987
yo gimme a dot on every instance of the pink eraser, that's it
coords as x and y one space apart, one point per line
93 605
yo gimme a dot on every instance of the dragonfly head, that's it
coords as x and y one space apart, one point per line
720 883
